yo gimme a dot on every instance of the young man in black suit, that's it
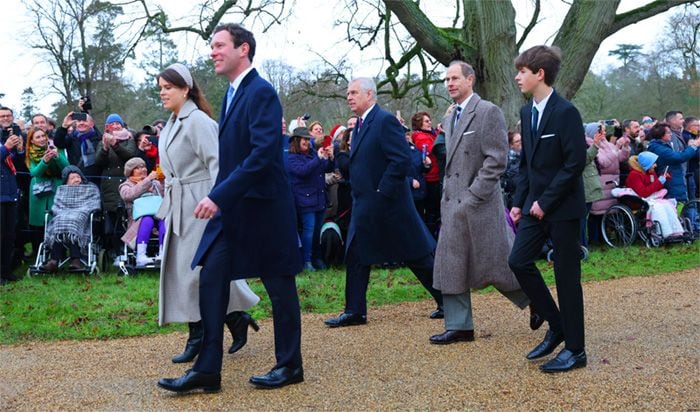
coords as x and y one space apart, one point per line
549 203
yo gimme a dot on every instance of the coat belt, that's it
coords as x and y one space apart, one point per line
173 190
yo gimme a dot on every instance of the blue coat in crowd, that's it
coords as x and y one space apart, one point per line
676 185
307 176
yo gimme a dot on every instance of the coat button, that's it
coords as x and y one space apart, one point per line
448 176
447 198
459 200
456 174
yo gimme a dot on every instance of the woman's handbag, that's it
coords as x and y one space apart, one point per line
41 189
147 204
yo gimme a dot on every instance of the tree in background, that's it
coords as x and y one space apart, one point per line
28 106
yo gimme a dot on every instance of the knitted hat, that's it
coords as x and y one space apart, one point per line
337 131
647 160
114 118
132 164
71 169
592 129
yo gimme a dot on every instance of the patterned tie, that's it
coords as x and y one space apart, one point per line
359 123
458 112
535 118
229 97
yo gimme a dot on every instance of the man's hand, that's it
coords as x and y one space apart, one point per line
13 141
536 211
415 184
68 120
206 209
515 215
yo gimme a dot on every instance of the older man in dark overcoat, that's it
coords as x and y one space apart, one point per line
385 226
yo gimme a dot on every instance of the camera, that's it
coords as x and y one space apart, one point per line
306 116
79 116
609 122
87 104
11 130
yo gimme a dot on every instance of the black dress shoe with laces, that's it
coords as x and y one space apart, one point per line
565 361
452 336
549 343
278 378
192 381
438 313
346 319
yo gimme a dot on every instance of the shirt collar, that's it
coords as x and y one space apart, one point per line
463 105
239 79
367 111
542 104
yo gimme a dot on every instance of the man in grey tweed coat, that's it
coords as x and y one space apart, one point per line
475 239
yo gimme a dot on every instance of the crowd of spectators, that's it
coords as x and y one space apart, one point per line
124 164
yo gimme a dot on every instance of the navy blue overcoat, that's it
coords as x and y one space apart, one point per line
385 223
257 215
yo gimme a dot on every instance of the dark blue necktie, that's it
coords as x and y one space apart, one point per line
458 112
535 118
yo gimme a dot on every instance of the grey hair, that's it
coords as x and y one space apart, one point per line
366 84
467 69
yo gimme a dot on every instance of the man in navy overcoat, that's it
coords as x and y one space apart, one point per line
252 231
385 226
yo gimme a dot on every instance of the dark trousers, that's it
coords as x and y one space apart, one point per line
58 250
213 300
8 224
357 279
565 235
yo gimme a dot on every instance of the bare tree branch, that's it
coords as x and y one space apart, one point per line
530 26
649 10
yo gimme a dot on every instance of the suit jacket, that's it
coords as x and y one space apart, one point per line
552 162
384 223
257 215
475 239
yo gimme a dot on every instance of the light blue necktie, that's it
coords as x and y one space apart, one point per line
535 118
458 111
229 97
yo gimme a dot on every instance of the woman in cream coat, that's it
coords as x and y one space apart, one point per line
189 152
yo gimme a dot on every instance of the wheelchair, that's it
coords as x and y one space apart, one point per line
627 220
126 262
92 262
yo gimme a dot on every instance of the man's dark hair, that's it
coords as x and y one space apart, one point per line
626 123
541 57
46 119
670 115
688 120
659 130
7 108
239 35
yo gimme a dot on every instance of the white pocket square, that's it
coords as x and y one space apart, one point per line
470 132
546 136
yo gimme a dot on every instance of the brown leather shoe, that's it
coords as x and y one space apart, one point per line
51 266
452 336
76 265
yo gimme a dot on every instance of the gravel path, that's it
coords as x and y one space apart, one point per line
643 352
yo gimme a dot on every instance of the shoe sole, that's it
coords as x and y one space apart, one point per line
575 366
345 324
206 389
265 386
452 341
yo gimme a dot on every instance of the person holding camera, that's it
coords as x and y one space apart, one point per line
81 144
147 145
45 163
11 154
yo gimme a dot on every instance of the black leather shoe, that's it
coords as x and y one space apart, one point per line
278 378
193 345
437 313
192 381
565 361
535 319
50 267
346 319
452 336
549 343
238 323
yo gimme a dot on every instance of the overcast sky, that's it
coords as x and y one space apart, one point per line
309 31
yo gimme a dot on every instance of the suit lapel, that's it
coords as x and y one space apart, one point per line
358 136
240 92
462 126
548 109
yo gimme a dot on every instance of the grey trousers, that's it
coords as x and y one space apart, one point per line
458 308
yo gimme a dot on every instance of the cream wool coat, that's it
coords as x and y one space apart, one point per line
475 239
189 151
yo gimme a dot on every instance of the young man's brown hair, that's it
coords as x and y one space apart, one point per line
541 57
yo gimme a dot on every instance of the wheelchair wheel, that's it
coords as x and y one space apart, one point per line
618 226
690 218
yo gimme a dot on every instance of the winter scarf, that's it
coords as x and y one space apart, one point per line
87 148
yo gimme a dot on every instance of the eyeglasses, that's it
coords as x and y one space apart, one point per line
6 115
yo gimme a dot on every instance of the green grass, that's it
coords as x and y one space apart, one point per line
58 307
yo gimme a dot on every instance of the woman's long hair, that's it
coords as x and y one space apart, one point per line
195 92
